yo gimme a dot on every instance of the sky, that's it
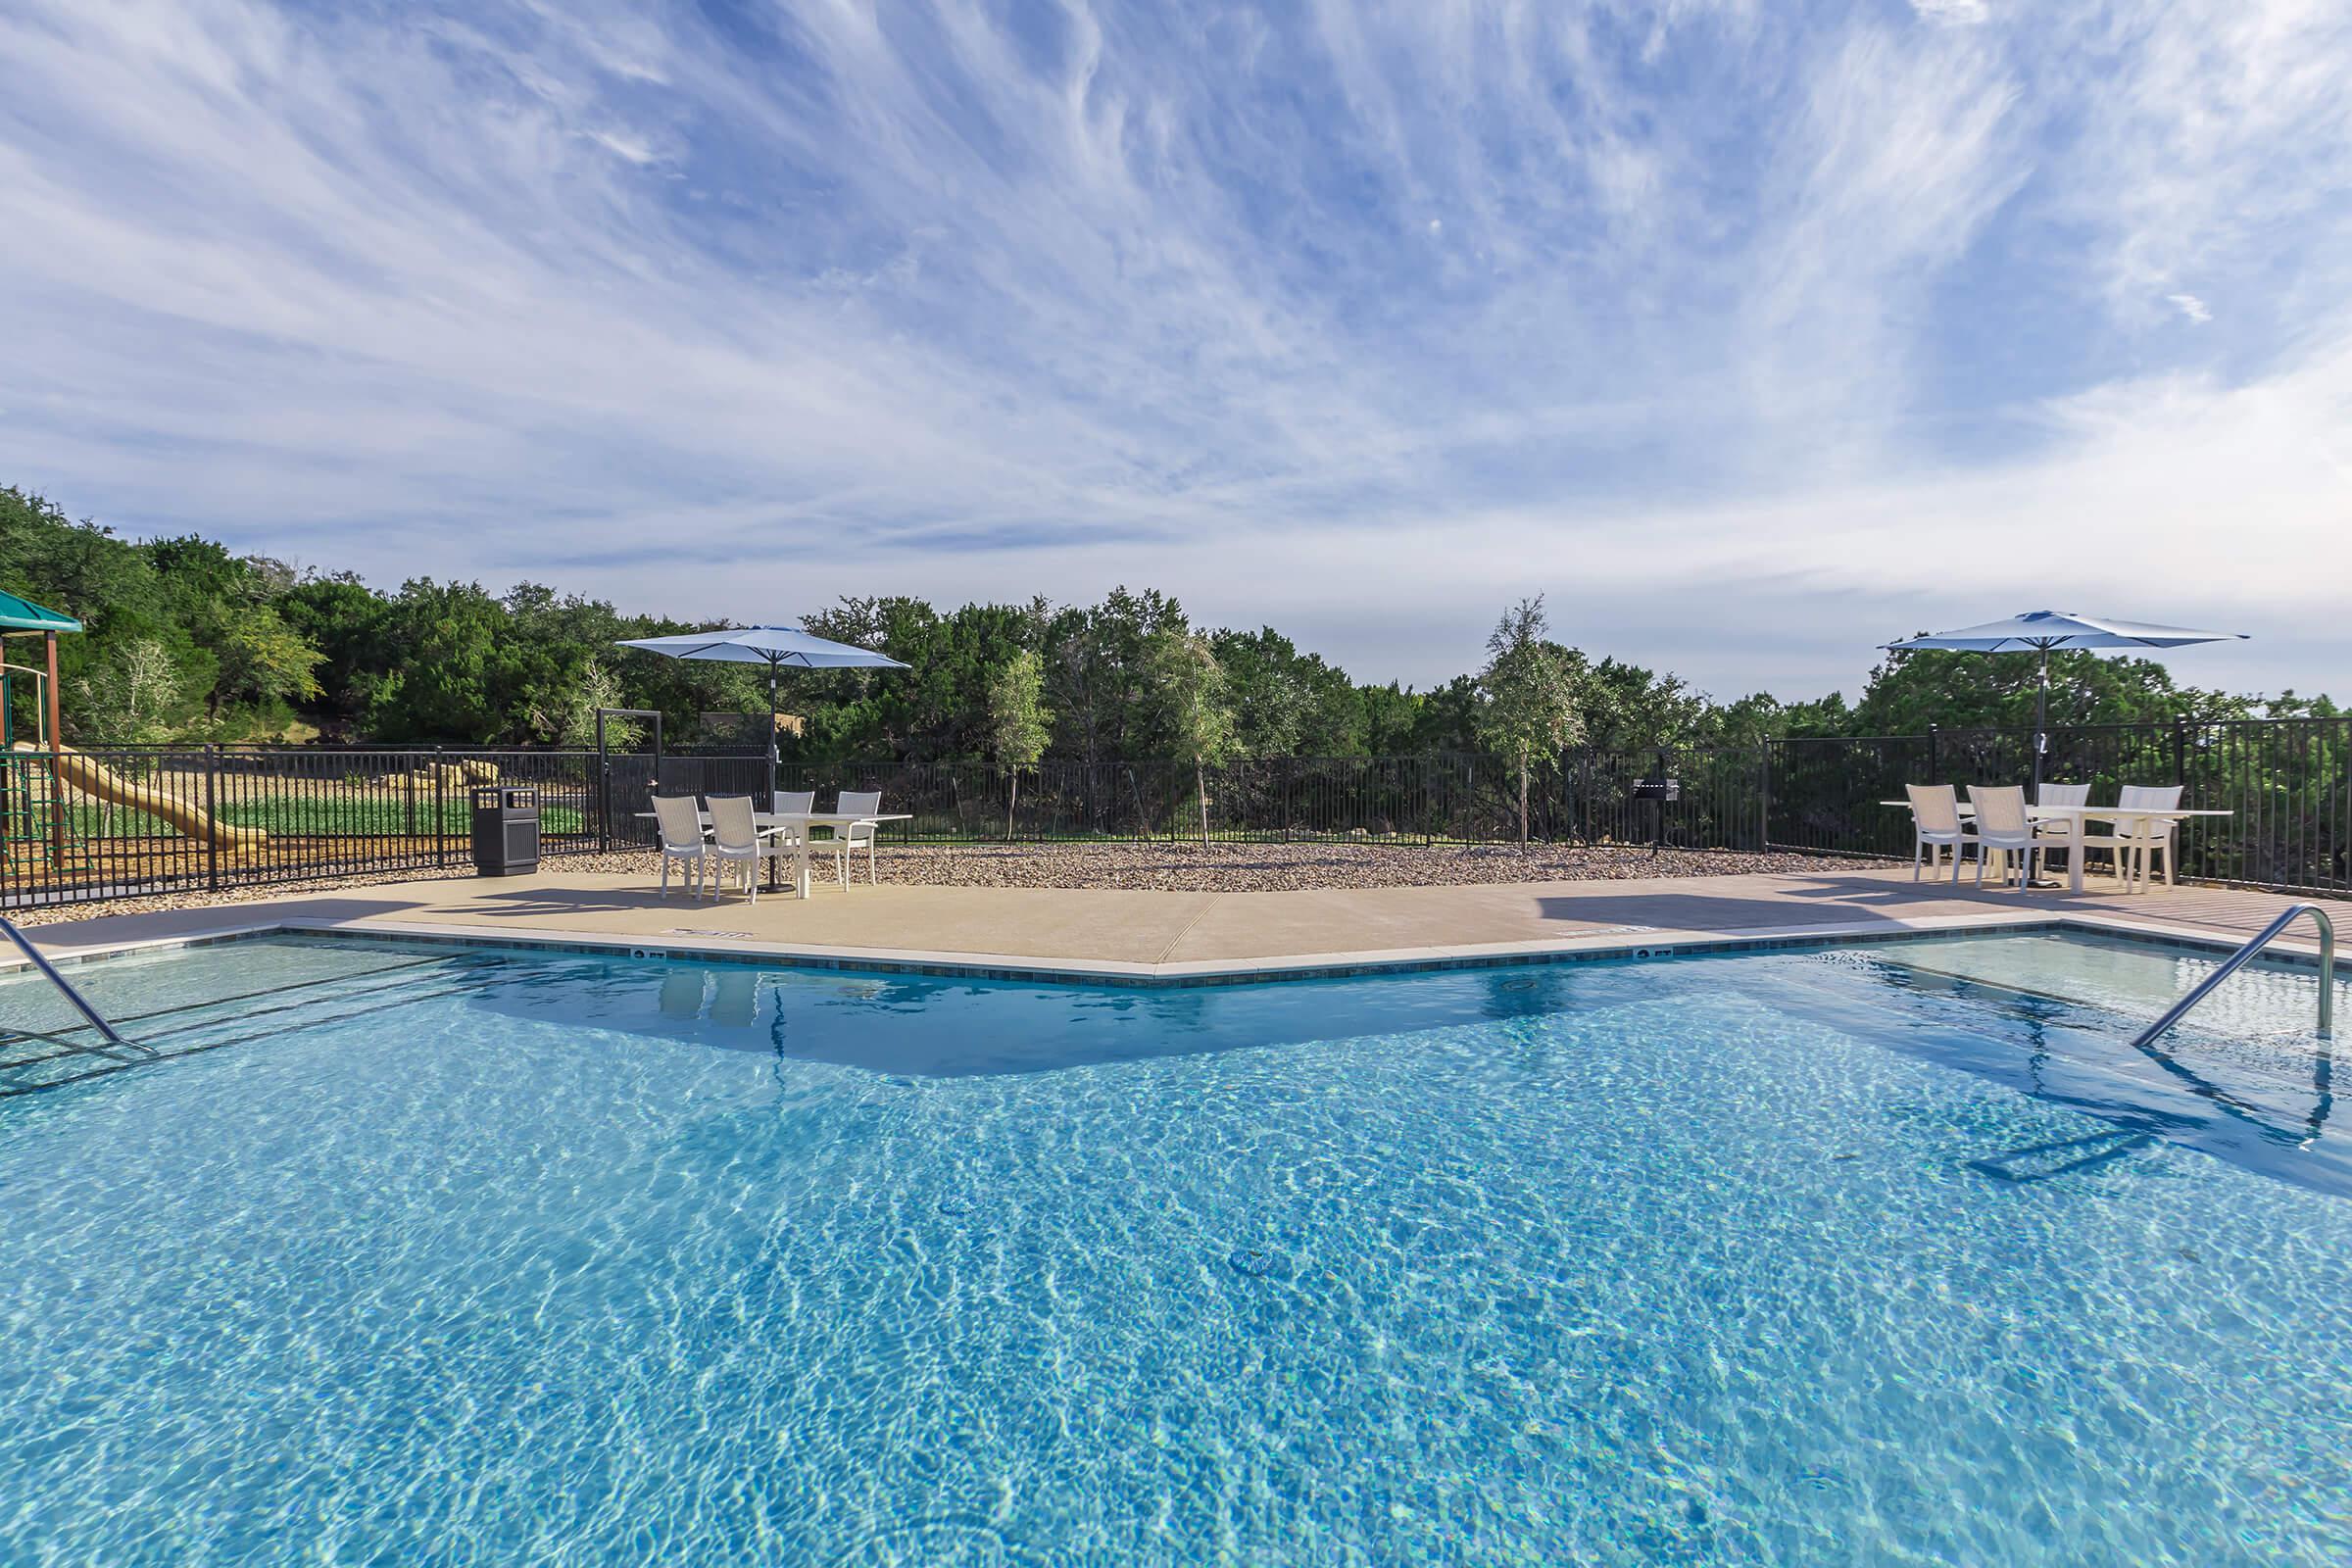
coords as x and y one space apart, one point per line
1750 334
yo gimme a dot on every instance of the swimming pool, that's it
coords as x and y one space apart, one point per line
460 1255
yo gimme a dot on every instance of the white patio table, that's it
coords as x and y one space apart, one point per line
767 823
2145 828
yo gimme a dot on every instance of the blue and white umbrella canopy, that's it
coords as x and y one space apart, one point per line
2042 630
776 647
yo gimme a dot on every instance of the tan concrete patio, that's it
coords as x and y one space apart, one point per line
1174 934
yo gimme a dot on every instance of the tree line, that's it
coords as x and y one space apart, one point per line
188 639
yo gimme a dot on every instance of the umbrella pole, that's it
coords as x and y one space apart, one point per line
2041 707
770 803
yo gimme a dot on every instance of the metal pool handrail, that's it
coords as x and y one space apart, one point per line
80 1002
2245 955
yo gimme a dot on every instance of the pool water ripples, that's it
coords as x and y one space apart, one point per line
1685 1262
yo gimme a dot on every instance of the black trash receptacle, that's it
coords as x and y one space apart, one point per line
505 830
1660 793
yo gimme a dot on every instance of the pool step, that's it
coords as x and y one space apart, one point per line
35 1059
2254 1096
2268 1002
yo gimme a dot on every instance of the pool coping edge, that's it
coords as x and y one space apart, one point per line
1614 944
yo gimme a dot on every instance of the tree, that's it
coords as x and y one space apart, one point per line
187 639
343 619
137 696
1625 707
936 709
1189 697
569 717
264 661
1528 692
1385 716
1285 703
245 653
1019 721
1098 683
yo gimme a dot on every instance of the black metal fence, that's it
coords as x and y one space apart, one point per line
111 821
2285 783
1396 800
118 820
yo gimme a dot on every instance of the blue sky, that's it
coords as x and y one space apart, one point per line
1750 334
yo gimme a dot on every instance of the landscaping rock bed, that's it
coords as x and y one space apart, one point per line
1293 868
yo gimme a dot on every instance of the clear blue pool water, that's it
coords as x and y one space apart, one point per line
450 1256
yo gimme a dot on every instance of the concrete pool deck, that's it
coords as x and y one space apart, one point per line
1170 935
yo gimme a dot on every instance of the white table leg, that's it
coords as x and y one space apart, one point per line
2073 857
800 863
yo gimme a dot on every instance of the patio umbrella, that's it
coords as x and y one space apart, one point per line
2040 630
776 647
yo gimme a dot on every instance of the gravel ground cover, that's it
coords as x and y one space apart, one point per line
1172 868
1292 868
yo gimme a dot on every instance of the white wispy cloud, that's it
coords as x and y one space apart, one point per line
1712 322
624 145
1953 13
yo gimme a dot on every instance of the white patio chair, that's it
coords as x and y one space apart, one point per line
2064 833
681 828
850 835
2133 851
735 841
786 803
1935 827
2002 824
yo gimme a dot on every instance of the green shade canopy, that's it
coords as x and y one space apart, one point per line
23 614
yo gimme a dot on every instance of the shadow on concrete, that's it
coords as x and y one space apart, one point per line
1888 890
535 902
1782 906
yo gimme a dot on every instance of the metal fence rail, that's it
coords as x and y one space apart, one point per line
109 822
2286 783
119 820
1435 799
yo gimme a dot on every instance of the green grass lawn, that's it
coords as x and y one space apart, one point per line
339 816
376 816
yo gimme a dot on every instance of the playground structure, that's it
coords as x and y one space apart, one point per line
33 822
100 782
41 831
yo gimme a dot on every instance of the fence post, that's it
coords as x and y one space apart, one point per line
1764 817
212 815
1658 826
2186 831
604 786
440 818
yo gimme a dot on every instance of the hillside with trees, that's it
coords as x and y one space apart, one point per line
189 641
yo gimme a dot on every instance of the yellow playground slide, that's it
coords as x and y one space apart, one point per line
88 776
